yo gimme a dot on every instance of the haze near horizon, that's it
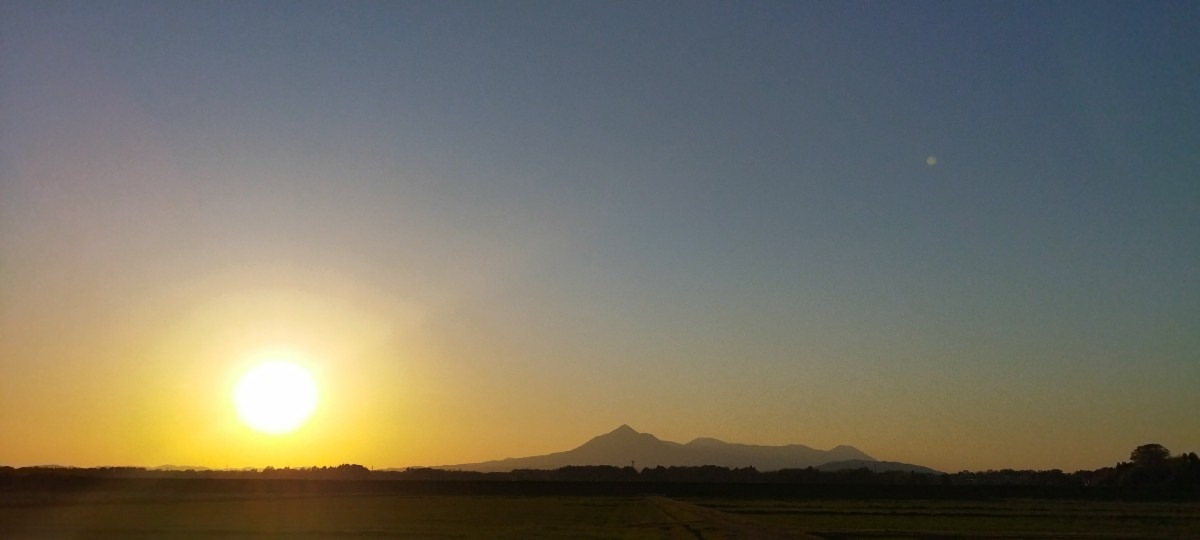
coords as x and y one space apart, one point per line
961 235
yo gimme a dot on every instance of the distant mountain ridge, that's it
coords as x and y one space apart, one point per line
180 468
625 446
874 466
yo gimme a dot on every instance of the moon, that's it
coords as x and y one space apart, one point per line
931 161
276 397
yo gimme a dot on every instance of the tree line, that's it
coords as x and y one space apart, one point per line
1149 466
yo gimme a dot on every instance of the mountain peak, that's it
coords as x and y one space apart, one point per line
846 452
624 430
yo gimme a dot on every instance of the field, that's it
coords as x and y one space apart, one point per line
128 515
893 519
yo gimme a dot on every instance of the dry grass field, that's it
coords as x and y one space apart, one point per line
224 516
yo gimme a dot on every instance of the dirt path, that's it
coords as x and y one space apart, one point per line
710 524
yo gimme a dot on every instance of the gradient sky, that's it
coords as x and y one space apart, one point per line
498 229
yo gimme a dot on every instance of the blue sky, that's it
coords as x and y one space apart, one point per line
701 219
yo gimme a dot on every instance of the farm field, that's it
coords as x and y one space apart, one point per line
225 516
1028 518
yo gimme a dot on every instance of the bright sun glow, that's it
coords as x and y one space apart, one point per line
276 397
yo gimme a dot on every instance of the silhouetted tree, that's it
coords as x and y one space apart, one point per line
1148 455
1152 465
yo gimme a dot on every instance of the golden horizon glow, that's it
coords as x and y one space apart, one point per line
276 397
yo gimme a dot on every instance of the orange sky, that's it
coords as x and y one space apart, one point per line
153 386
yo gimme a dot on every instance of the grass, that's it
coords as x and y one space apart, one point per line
979 519
373 516
225 516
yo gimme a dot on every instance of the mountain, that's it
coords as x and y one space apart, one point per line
179 468
624 446
876 466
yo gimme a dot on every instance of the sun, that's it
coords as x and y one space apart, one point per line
276 397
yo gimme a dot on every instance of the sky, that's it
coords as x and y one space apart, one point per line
959 234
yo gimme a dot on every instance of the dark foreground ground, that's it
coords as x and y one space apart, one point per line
299 509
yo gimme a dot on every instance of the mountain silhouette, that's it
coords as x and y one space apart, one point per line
170 467
875 466
625 445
